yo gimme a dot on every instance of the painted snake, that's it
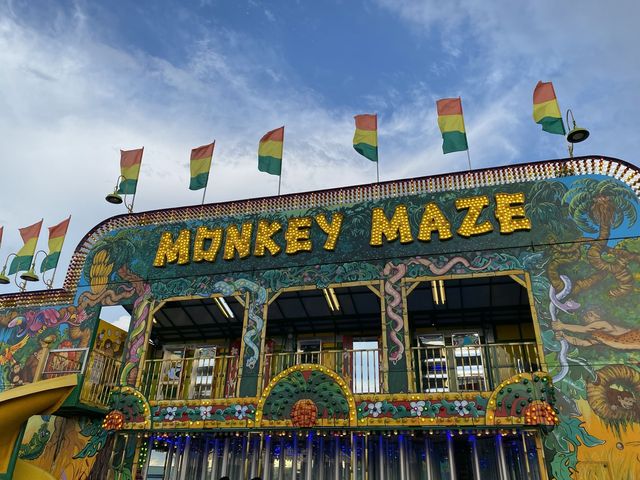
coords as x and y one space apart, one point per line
568 306
254 329
390 288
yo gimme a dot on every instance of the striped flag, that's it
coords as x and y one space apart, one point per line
57 234
130 161
546 111
270 152
200 166
365 139
23 258
451 123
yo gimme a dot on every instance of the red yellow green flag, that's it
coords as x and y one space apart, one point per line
56 240
130 161
270 152
546 111
200 166
23 258
451 123
365 139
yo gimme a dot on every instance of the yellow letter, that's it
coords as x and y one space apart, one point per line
297 235
510 212
202 235
331 229
433 220
399 224
240 241
169 252
263 238
469 224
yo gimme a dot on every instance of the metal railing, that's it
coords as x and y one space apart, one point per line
190 378
440 368
100 377
360 369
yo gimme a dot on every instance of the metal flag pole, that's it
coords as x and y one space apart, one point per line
468 156
281 161
204 191
377 171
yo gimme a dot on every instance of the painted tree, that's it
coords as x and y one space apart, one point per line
600 206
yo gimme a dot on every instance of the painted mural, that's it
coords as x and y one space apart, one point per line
582 256
47 436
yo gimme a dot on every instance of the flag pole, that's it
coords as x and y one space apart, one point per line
281 162
204 192
468 156
377 172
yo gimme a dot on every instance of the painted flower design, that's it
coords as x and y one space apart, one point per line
205 412
461 407
171 413
417 408
375 409
241 412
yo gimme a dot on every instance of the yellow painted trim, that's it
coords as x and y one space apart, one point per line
20 403
28 471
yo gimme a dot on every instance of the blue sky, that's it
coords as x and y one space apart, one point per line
81 79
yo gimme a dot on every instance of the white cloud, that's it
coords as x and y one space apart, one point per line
72 97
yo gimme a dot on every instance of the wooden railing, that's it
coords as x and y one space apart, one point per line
190 378
100 377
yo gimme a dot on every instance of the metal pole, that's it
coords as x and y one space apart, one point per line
354 457
266 463
427 458
450 451
294 462
377 172
205 459
184 464
526 454
279 181
225 458
403 470
468 157
336 459
320 458
167 464
214 460
309 469
475 458
381 458
204 192
245 456
365 464
502 461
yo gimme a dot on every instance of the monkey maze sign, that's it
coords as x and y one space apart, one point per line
262 237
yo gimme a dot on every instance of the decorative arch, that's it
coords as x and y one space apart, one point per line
527 396
134 412
306 396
